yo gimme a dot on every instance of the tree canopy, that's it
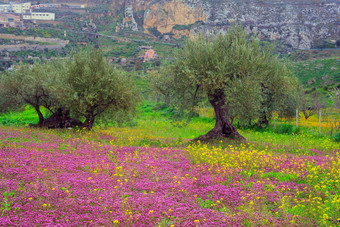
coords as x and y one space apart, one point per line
28 85
90 86
84 85
238 74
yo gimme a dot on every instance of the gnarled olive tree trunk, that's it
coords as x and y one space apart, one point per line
223 127
89 122
267 102
41 116
263 120
61 119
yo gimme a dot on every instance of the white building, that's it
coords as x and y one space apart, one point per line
21 8
14 7
5 8
39 16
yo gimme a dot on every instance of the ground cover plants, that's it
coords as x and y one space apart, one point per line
132 176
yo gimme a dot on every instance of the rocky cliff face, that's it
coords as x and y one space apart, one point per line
299 24
164 15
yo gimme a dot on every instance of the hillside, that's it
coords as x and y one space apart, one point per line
124 25
320 73
300 24
297 24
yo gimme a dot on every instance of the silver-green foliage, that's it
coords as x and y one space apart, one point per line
84 84
28 84
89 86
253 79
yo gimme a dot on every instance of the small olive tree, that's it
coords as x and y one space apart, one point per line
238 74
84 85
310 103
27 85
89 86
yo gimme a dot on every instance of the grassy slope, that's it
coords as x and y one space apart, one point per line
22 118
321 73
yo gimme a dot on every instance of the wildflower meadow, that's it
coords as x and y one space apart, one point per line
210 135
128 177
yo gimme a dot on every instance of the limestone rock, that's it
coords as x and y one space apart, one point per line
297 24
164 15
129 20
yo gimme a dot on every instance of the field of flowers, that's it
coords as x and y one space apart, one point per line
130 177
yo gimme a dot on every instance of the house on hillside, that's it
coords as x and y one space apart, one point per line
39 16
21 7
10 20
5 8
150 55
14 7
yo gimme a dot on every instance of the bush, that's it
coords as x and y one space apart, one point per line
155 32
337 137
287 129
182 26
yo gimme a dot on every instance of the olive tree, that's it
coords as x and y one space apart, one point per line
83 85
89 86
333 113
236 73
279 89
27 85
310 103
8 99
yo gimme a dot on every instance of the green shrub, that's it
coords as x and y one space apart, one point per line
182 26
287 129
337 137
155 32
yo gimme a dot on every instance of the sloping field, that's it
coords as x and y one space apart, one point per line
70 178
321 73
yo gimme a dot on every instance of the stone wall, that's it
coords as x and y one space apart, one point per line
32 38
57 43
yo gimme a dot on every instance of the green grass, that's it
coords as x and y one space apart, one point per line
303 144
155 125
321 73
22 118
